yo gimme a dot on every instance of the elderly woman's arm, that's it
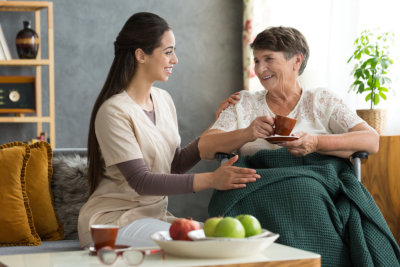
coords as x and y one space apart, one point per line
359 138
213 140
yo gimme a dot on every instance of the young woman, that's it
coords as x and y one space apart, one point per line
134 143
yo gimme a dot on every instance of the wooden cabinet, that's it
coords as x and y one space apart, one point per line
381 176
39 119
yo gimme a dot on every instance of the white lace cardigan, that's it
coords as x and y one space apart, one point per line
317 112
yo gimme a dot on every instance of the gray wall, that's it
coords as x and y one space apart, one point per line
208 41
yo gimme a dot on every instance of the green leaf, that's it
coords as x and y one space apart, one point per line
377 83
382 95
366 74
370 82
387 80
383 89
368 97
348 61
372 62
376 99
358 73
360 88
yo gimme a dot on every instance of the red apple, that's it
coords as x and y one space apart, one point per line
181 227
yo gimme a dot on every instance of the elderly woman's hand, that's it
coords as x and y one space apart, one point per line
261 127
305 145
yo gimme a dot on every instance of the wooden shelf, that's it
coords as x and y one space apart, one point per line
32 119
24 62
36 7
23 6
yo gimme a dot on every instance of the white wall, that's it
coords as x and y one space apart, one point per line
331 26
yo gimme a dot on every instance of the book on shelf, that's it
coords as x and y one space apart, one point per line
3 46
2 55
41 137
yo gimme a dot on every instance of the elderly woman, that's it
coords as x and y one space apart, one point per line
324 123
309 197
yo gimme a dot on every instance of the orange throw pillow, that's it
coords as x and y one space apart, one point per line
16 222
39 173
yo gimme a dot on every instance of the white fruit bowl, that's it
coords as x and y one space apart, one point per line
198 235
213 247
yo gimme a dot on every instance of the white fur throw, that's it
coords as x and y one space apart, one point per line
70 190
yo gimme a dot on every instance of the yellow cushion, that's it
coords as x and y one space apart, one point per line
16 222
39 173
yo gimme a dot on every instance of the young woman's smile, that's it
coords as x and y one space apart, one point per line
160 63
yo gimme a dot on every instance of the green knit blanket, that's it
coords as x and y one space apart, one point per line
315 203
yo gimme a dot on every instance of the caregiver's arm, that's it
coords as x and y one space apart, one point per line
359 138
213 140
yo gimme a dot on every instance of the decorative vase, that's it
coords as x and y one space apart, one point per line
27 42
376 118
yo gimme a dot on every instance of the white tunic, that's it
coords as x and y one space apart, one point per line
124 133
317 112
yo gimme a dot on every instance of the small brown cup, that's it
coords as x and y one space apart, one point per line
284 125
104 235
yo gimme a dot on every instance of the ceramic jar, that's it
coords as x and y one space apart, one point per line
27 42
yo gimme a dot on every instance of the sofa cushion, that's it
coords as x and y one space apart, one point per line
16 222
38 180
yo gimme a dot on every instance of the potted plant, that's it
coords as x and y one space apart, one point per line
371 73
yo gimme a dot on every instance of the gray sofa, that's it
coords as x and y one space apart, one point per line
70 190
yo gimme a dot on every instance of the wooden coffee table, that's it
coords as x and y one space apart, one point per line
275 255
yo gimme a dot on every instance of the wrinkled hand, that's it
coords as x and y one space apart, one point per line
305 145
261 127
230 100
231 177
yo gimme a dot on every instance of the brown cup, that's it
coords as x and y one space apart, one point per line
104 235
284 125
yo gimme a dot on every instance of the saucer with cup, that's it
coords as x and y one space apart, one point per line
283 126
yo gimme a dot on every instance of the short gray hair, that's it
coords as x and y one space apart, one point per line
283 39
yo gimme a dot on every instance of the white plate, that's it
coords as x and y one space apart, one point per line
213 248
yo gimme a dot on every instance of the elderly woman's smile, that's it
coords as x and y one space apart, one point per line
267 77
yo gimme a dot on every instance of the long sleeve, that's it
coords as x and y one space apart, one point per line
186 157
145 182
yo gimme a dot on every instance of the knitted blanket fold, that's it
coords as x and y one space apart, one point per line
315 203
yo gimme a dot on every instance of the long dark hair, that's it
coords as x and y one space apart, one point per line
142 30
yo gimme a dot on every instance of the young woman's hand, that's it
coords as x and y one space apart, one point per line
261 127
231 177
230 100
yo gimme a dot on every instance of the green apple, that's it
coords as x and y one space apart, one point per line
250 223
229 227
210 224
